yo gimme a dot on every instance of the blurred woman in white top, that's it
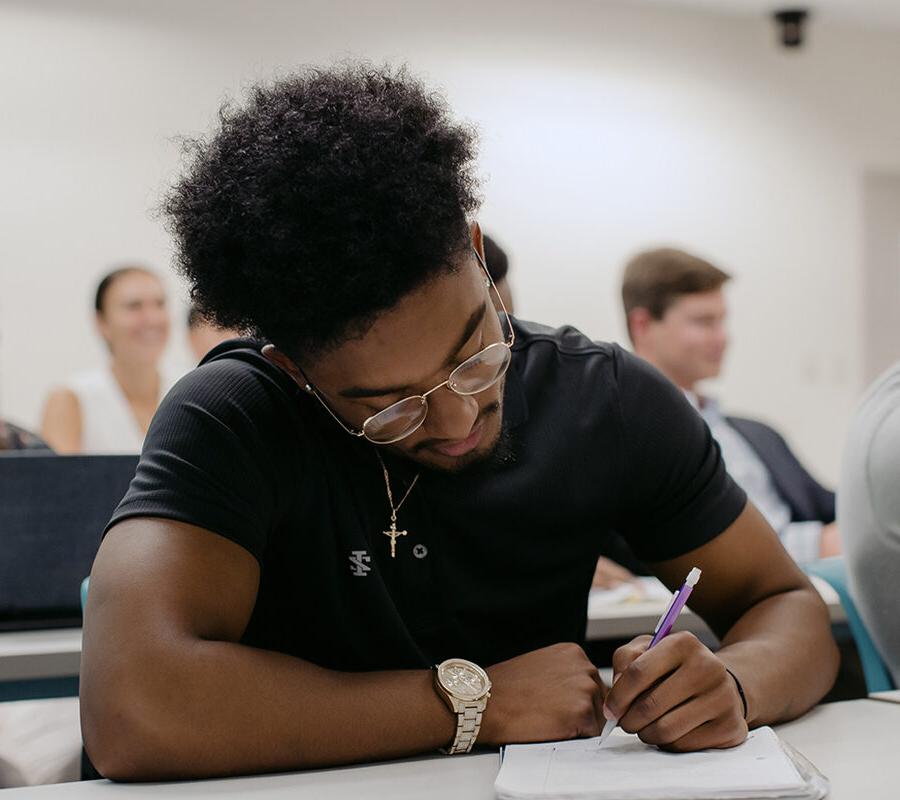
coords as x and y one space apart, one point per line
108 410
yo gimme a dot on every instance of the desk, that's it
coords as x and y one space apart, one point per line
853 743
887 697
29 655
625 620
37 664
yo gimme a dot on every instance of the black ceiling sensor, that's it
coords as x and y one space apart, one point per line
790 23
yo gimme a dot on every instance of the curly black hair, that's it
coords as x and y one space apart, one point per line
321 202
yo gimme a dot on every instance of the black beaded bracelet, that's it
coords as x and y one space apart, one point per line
740 692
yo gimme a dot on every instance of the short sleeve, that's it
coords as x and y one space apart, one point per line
676 493
215 455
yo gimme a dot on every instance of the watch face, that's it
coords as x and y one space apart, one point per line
463 679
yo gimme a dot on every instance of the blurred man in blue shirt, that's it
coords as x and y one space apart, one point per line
676 313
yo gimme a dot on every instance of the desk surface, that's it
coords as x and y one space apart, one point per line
853 743
888 697
26 655
623 620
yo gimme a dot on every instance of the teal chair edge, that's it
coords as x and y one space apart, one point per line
834 571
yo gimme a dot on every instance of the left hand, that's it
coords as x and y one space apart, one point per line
677 695
608 574
830 541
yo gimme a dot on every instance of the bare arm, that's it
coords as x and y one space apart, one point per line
774 626
775 635
167 690
61 424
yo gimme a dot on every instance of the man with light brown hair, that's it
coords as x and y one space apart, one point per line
676 314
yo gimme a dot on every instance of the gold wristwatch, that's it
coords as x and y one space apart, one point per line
465 688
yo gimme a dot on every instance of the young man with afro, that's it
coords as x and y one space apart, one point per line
392 474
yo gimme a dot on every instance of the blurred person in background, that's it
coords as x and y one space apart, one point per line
676 314
203 336
108 409
14 438
497 263
869 513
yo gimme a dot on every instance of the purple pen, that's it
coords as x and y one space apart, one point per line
662 629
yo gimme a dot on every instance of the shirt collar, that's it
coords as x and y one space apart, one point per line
706 405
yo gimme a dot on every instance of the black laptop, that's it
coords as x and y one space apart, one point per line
53 510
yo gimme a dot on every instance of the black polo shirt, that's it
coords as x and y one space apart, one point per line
494 564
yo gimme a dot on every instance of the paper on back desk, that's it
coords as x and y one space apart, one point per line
640 590
627 769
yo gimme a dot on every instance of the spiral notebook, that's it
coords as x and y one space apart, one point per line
627 769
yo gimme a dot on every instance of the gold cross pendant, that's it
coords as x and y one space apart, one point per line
394 533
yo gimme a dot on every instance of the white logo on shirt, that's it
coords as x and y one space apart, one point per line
359 563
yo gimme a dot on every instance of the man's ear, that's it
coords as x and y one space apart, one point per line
280 360
101 327
477 238
638 321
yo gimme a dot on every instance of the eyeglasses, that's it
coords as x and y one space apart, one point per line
476 374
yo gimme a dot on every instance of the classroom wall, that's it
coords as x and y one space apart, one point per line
605 128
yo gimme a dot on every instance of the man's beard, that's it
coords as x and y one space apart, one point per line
500 455
502 452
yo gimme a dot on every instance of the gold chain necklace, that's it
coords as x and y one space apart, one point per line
393 533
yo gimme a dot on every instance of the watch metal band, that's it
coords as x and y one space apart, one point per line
468 723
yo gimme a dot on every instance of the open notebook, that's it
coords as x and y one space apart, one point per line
627 769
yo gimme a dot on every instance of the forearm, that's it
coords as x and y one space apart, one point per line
205 708
783 654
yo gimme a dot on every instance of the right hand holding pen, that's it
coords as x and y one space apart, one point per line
546 695
678 695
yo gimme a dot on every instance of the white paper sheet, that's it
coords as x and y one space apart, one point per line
640 590
627 769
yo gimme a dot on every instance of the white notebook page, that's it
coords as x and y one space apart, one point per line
627 769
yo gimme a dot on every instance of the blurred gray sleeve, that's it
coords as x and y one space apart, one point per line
869 521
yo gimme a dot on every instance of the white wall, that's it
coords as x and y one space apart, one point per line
605 128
